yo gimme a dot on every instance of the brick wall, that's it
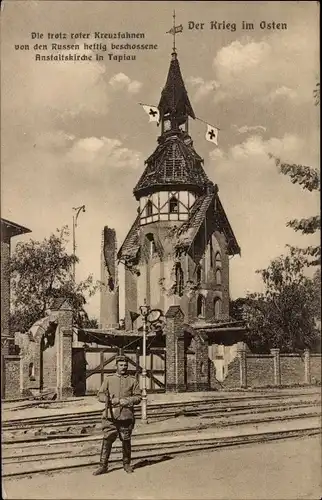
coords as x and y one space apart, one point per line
66 331
11 377
175 351
131 297
109 297
292 369
30 353
260 370
233 377
147 284
315 363
50 367
5 291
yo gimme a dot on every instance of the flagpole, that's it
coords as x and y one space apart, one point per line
174 31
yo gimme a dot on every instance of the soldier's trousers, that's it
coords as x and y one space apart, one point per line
112 430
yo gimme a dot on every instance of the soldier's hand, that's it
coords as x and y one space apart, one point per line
115 401
123 402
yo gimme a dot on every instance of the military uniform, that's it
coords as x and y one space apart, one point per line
118 419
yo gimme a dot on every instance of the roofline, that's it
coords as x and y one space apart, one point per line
237 247
119 253
14 227
138 193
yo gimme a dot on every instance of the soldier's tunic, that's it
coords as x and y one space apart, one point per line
123 387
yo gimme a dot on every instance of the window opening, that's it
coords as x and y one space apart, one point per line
173 205
149 209
200 306
217 307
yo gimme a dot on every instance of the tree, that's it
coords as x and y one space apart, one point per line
308 178
316 94
40 272
236 308
285 315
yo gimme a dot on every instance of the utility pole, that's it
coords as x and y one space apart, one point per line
75 217
144 310
149 316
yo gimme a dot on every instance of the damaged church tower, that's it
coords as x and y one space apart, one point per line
109 297
177 250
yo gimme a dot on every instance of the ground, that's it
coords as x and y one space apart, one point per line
288 469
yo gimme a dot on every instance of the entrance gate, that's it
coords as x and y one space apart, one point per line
92 364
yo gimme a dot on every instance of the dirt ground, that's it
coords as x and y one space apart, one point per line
288 469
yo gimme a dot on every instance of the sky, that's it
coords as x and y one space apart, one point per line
73 133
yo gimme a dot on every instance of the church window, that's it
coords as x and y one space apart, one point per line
199 273
149 209
211 251
173 205
218 259
179 280
151 244
31 371
200 306
217 307
218 276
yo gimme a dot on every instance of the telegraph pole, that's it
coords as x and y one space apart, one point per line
78 210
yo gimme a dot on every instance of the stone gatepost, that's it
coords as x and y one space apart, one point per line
241 354
201 372
11 377
175 350
64 341
277 366
307 366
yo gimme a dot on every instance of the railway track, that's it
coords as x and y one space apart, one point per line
65 454
221 422
207 408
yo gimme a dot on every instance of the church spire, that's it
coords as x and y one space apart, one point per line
174 105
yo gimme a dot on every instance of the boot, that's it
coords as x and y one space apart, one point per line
105 455
126 447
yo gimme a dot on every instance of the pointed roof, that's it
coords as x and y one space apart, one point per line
189 229
131 244
174 98
173 164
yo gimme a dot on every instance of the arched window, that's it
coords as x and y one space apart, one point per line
179 280
217 307
218 260
199 273
200 306
31 371
218 276
173 205
151 244
211 252
149 209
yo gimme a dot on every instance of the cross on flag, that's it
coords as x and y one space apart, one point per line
212 134
153 112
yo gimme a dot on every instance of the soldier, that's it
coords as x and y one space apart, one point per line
120 392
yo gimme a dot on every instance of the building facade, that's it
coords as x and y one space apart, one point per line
178 248
9 229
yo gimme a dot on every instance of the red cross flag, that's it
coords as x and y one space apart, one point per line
212 134
153 112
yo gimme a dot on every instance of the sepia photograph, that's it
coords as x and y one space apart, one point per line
160 250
